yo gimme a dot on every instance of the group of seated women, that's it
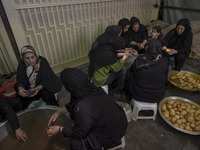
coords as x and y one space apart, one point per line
98 121
146 79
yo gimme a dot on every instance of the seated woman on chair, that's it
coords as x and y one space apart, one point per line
179 40
98 120
36 79
104 67
146 79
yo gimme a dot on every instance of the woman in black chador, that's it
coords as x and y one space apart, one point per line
98 120
36 79
125 24
179 40
136 36
146 80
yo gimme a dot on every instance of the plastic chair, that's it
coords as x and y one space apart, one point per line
105 88
121 146
13 94
138 106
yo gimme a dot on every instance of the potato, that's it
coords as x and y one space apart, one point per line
192 125
183 120
172 112
173 120
176 124
197 128
190 118
166 115
183 112
187 127
163 107
170 102
179 121
169 106
177 116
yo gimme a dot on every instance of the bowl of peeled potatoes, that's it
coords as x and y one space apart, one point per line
185 80
181 113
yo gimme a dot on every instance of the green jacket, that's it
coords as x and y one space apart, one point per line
101 75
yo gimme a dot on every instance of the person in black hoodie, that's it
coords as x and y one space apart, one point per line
137 35
98 120
179 40
146 80
36 79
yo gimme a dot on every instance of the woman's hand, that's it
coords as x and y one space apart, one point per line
53 130
133 43
21 135
172 52
125 56
141 45
22 92
53 118
36 90
164 48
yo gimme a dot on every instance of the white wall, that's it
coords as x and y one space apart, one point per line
64 30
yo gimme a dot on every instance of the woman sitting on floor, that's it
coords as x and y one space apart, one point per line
146 79
125 24
98 120
104 67
179 40
36 79
136 36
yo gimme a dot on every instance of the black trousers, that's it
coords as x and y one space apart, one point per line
179 60
8 109
88 143
47 97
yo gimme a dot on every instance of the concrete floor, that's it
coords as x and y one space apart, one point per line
156 135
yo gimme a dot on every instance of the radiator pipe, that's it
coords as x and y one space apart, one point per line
9 31
181 8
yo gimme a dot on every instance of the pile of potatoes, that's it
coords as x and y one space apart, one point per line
182 114
185 81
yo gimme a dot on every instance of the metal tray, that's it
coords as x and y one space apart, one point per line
193 75
181 99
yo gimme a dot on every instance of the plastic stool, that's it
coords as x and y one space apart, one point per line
121 146
105 88
138 106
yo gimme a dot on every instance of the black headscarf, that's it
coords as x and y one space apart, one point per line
105 55
153 55
186 23
107 37
133 20
77 83
123 23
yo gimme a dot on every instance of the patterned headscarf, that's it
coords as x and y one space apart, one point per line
153 55
31 71
28 49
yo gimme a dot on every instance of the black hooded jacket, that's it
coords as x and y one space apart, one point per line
146 80
92 110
